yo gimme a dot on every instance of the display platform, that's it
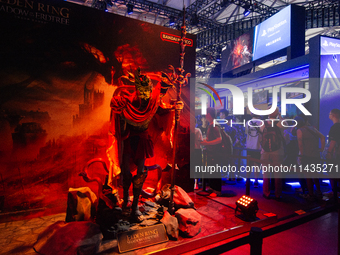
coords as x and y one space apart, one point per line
218 216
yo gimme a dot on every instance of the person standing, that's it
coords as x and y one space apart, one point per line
273 151
204 126
308 140
198 150
333 152
226 127
232 133
213 144
253 142
198 140
334 136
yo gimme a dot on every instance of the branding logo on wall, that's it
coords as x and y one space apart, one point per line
36 11
175 39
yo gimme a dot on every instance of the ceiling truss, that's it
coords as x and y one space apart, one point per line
214 30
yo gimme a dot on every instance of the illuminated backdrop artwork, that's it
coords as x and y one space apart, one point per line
60 64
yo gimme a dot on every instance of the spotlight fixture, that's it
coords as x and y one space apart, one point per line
129 8
246 10
194 20
101 5
224 3
247 207
109 3
218 58
172 21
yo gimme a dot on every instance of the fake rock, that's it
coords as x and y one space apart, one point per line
171 224
189 221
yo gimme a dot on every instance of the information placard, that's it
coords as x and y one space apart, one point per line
136 239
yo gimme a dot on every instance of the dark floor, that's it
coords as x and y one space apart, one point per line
315 237
318 236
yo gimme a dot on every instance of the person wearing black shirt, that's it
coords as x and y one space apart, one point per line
213 144
334 136
204 127
226 127
333 152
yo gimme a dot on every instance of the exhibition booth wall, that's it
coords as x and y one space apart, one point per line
60 64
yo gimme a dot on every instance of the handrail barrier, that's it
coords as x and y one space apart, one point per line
254 238
256 234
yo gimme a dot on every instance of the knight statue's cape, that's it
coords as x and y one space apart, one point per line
123 108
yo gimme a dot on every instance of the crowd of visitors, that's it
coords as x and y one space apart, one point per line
268 142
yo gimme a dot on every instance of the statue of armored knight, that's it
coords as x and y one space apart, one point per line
132 113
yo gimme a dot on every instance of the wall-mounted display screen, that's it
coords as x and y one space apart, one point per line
238 52
329 80
280 35
273 34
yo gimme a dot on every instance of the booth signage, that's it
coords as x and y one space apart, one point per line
175 39
272 34
136 239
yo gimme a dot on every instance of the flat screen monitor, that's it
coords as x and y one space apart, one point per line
238 52
329 80
273 34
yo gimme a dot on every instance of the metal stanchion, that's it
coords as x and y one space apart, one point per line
338 230
250 163
335 193
337 207
256 238
203 192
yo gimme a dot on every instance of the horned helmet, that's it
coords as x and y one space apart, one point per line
143 85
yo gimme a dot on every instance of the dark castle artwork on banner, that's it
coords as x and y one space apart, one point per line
60 64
